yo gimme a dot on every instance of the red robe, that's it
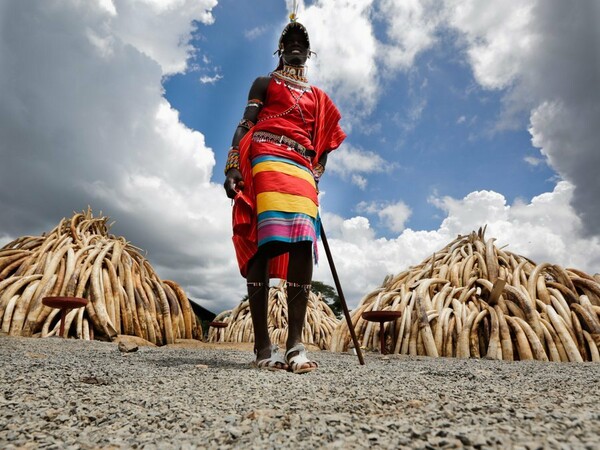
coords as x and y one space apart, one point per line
327 136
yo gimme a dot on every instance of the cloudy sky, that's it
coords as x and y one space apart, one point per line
458 114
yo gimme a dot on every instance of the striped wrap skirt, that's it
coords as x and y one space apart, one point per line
286 201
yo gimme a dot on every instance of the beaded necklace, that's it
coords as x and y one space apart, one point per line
293 74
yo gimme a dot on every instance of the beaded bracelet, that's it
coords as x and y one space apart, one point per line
245 123
233 159
318 171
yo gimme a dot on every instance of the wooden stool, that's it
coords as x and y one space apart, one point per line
218 325
381 317
65 304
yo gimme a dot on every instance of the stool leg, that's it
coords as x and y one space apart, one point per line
63 313
382 338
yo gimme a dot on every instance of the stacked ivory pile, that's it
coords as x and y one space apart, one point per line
79 258
472 299
318 326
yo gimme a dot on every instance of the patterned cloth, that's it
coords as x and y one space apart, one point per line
286 200
279 200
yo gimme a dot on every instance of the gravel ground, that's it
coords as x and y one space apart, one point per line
75 394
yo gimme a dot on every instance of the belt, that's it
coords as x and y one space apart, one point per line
265 136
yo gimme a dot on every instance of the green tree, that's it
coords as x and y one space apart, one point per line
330 296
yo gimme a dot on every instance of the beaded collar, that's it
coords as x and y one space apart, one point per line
293 74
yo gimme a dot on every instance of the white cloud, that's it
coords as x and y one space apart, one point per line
161 28
541 55
545 230
474 210
351 68
352 162
109 6
83 122
568 135
362 261
342 34
534 161
392 215
255 32
545 54
359 180
411 28
210 80
498 37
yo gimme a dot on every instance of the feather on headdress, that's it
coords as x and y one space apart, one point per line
294 24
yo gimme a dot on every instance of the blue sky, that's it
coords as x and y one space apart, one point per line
458 114
434 127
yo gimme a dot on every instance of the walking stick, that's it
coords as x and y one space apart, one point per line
338 287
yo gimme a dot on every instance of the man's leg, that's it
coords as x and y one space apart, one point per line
300 270
258 295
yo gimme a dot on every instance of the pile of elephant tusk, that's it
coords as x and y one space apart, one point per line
472 299
318 326
79 258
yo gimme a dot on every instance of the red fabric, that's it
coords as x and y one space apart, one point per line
286 184
279 99
327 136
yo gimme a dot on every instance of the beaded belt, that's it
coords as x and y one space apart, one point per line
265 136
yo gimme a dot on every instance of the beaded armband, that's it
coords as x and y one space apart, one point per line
245 123
254 103
233 159
318 170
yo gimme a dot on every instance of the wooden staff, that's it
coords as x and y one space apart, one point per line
338 287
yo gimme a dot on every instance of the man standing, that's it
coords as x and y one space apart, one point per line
278 153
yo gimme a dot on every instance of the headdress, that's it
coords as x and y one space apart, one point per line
285 71
294 24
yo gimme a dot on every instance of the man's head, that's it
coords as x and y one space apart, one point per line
294 44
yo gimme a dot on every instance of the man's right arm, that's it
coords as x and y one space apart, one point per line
256 99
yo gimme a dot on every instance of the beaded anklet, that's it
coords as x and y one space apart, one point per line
304 287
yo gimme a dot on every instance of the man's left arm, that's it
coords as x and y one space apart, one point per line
319 167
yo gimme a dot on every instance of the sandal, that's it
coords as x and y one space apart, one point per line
297 362
272 362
